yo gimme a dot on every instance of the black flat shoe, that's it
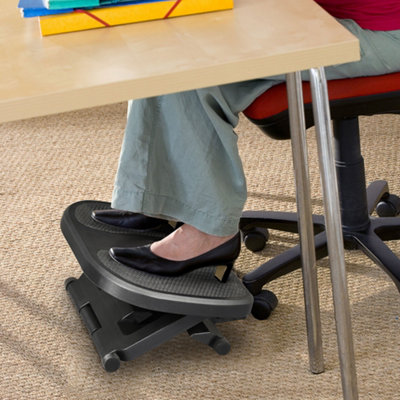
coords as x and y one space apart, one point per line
142 258
128 219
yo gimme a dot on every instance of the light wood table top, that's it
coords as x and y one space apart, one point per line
45 75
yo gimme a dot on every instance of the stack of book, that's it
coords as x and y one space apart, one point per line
60 16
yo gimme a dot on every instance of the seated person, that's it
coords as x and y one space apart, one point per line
180 160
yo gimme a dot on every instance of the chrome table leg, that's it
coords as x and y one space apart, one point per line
300 164
334 232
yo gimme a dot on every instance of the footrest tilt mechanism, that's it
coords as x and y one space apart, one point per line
121 331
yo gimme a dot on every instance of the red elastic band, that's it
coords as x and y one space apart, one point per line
172 9
92 16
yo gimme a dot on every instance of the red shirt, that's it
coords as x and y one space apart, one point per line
377 15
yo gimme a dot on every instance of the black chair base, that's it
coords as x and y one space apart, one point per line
360 229
370 241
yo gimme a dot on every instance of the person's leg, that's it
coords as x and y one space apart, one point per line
180 161
171 159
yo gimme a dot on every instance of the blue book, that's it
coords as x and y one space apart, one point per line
31 4
39 12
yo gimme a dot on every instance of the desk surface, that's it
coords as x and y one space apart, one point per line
40 76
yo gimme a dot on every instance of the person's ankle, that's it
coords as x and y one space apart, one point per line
187 242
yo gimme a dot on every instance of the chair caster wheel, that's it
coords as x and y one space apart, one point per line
389 206
111 362
221 346
255 238
264 303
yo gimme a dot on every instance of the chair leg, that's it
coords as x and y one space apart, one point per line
282 264
282 221
289 260
378 251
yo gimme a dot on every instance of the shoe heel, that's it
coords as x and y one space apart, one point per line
222 272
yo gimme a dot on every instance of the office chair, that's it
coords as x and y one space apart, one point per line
349 98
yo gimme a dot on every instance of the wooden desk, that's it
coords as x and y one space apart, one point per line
40 76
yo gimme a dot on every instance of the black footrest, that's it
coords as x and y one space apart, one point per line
194 293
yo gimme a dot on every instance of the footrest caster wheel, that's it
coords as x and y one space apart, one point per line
68 281
255 238
110 362
206 332
264 303
221 346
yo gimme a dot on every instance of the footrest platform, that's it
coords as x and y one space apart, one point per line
127 311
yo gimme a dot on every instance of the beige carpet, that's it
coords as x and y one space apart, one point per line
48 163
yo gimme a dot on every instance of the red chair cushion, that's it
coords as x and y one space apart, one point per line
274 100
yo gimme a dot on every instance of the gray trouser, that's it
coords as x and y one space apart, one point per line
179 158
